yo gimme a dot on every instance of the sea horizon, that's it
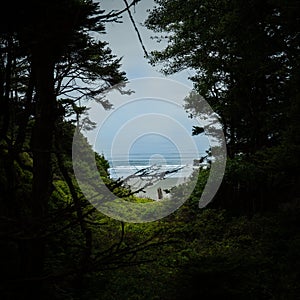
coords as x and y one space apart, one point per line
123 166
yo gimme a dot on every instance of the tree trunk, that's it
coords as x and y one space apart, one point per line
5 114
43 68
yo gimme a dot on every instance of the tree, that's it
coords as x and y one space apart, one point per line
245 56
43 46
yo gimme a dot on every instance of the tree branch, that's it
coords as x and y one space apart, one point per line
136 29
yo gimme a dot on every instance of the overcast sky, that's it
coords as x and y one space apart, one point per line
152 119
124 42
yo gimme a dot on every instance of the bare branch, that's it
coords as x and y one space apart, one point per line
114 15
136 29
150 175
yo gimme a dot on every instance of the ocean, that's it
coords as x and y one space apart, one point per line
123 166
176 169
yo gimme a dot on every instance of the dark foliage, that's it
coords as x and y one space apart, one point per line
53 242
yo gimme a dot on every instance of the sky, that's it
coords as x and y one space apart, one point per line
124 42
152 119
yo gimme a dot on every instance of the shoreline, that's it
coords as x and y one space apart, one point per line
152 191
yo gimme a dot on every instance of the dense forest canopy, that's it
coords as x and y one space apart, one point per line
246 62
56 245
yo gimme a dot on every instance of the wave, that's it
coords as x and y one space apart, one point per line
172 171
144 159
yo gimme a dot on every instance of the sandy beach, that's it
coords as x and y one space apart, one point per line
152 191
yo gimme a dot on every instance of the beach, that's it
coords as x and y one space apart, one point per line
152 191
